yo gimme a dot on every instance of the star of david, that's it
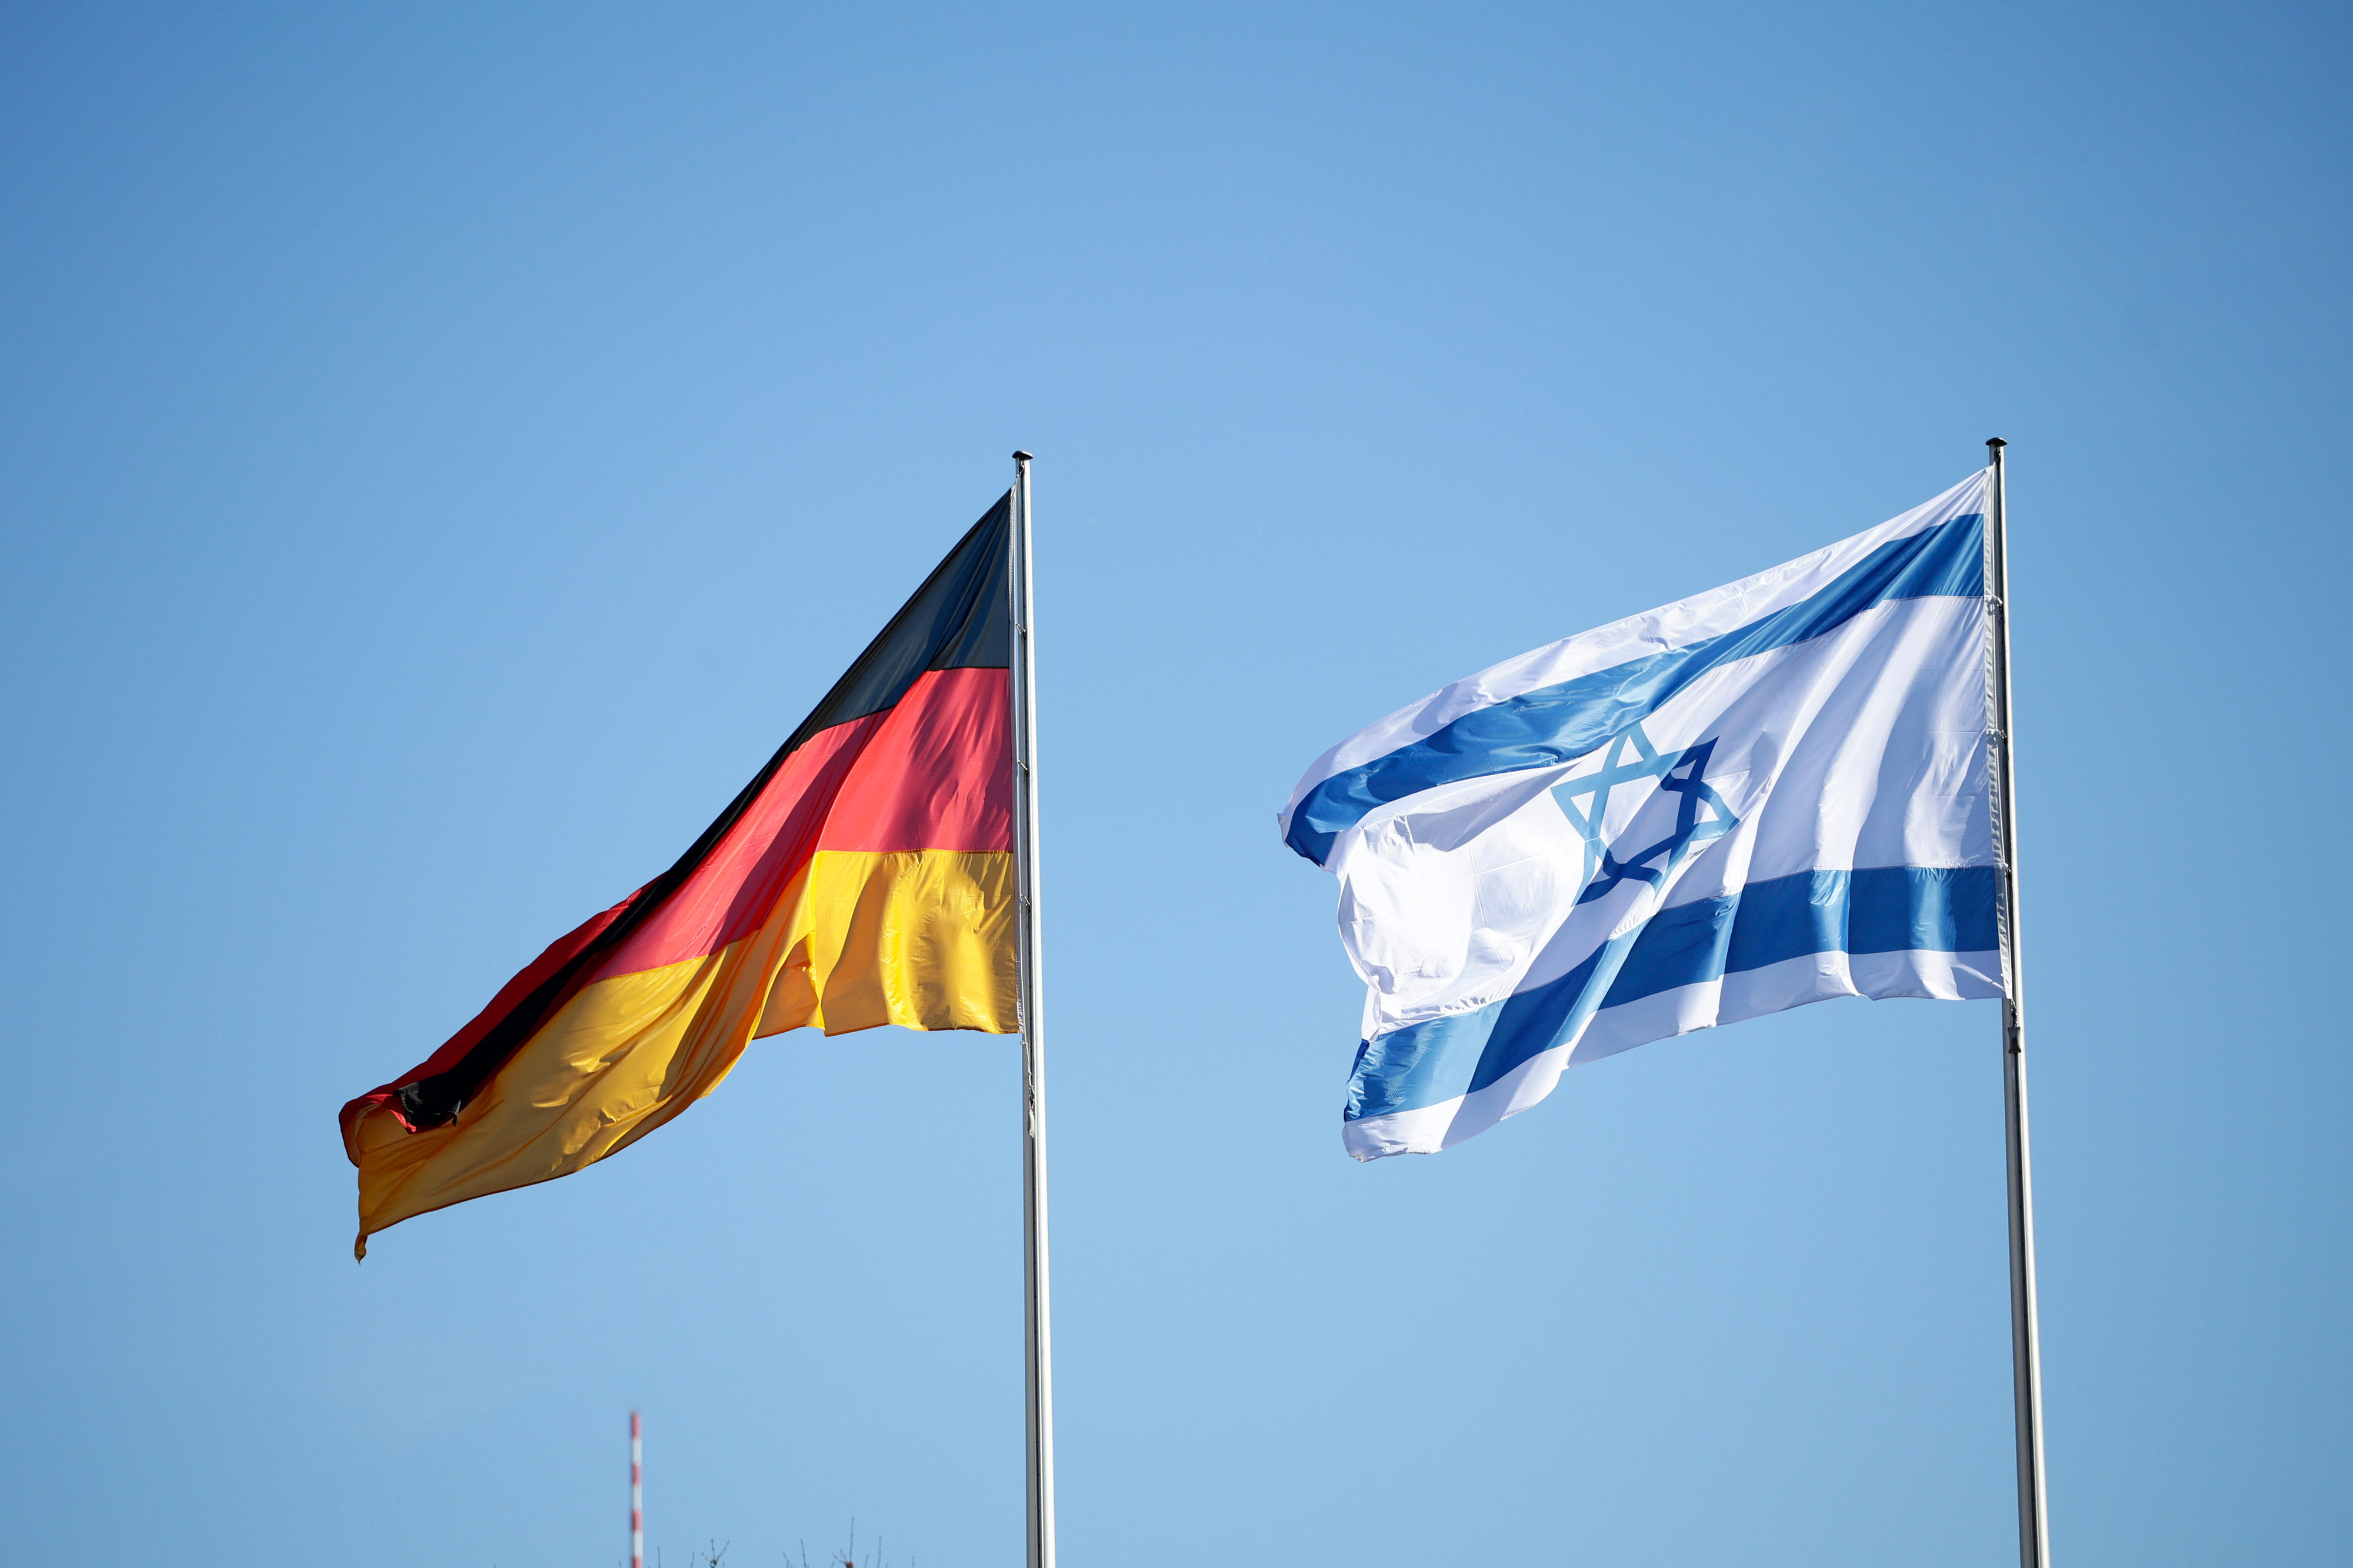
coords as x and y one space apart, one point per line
1631 759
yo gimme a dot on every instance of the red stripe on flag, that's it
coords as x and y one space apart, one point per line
731 892
938 774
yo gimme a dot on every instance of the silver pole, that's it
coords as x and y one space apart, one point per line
2025 1335
1037 1340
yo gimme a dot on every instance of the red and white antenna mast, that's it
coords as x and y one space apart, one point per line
637 1493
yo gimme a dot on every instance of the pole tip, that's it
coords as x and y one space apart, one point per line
1021 457
1995 443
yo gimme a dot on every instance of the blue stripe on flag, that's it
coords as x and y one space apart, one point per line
1880 909
1562 723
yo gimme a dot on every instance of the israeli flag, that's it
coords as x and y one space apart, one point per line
1767 794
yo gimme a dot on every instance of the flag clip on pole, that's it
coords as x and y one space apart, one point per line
1038 1336
2026 1352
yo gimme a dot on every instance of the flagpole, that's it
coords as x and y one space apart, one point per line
2025 1333
1038 1332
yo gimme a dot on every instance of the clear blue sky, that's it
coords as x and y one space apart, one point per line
447 447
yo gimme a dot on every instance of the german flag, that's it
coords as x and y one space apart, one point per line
865 877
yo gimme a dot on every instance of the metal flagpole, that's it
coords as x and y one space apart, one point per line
2025 1335
1037 1323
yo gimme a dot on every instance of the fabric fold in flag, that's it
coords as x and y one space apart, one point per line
1770 794
865 877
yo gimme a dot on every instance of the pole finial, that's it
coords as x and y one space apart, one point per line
1021 457
1995 443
